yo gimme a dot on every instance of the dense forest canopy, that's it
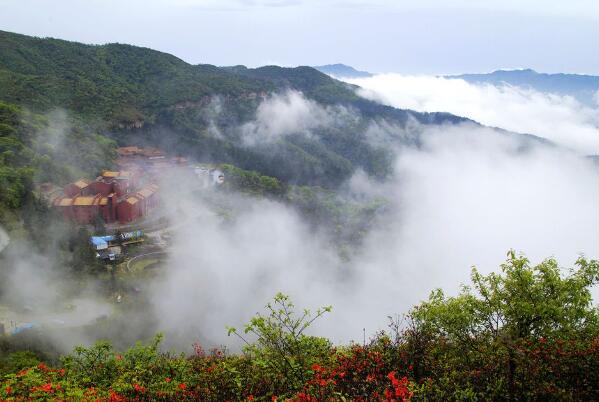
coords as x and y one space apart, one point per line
134 94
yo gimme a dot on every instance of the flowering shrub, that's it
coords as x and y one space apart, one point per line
503 341
359 372
527 333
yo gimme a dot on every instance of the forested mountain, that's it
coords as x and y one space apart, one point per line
582 87
138 95
106 80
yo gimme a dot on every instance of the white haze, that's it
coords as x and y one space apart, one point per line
51 301
560 119
34 290
4 239
464 198
289 113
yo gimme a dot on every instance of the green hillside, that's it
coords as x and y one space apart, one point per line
139 95
104 81
38 148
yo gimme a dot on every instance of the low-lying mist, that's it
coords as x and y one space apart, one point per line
463 196
561 119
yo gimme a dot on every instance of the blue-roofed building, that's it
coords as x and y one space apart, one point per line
23 327
100 242
103 242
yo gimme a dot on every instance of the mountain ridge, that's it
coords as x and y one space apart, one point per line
342 71
138 95
580 86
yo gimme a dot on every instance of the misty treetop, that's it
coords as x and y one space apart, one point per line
38 148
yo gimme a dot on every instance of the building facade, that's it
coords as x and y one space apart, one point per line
111 197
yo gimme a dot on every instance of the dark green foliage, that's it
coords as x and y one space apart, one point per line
83 256
251 182
312 82
527 333
282 352
16 173
115 81
148 97
16 361
44 148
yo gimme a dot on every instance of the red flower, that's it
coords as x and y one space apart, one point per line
42 367
250 398
44 388
167 379
305 397
182 386
114 397
273 398
119 357
8 390
139 388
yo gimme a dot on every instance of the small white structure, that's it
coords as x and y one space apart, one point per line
209 176
218 177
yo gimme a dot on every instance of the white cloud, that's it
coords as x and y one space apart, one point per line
286 113
4 239
576 8
465 197
560 119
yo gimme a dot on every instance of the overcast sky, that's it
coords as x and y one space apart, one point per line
407 36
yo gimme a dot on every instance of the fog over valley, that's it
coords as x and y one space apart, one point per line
560 118
174 231
463 196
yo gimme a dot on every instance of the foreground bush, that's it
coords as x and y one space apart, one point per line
529 333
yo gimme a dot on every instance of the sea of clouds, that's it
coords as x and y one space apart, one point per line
464 197
558 118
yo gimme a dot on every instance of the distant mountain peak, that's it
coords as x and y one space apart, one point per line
342 70
515 71
582 87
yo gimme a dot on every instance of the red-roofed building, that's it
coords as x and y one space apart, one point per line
111 196
128 209
80 187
